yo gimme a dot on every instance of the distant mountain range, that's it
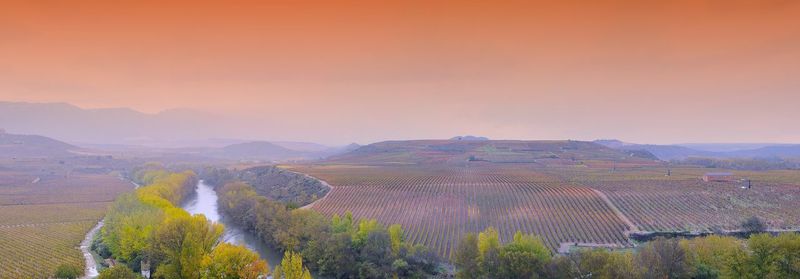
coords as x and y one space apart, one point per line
710 150
126 129
276 151
34 146
121 126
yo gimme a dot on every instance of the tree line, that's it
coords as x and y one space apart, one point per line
759 256
338 247
145 230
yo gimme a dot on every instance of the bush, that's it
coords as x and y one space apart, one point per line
68 271
754 225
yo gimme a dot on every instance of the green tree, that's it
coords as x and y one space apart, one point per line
489 252
342 225
119 271
663 258
339 257
713 255
774 257
365 227
129 226
594 263
396 236
467 257
488 240
182 243
525 257
291 267
620 265
377 250
67 271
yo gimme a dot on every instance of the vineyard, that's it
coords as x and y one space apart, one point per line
437 209
693 205
42 221
442 190
34 251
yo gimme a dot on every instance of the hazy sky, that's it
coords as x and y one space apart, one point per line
343 71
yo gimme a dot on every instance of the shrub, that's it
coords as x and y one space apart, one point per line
754 224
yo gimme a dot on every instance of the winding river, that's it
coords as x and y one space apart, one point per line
205 202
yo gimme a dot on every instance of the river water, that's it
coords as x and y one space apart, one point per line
205 202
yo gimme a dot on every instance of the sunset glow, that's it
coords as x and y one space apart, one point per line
644 71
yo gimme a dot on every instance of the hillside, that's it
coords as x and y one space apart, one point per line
495 151
14 146
257 150
272 182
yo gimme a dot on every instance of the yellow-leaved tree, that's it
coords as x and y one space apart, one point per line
231 261
291 267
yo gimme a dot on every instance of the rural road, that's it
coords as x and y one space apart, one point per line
86 244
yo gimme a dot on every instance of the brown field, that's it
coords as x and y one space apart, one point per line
436 203
42 221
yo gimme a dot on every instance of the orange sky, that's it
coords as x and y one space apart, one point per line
342 71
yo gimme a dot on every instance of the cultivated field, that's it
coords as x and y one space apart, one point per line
437 209
43 219
438 196
683 202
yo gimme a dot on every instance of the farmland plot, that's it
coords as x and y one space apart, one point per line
693 205
42 221
437 207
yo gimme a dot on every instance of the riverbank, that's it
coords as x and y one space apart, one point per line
205 201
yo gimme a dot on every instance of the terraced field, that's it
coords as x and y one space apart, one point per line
42 221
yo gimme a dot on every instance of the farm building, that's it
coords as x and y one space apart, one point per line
718 177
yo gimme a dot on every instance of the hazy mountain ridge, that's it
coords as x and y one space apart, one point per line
680 152
276 151
108 125
125 128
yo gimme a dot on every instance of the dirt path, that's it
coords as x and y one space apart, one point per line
631 225
91 265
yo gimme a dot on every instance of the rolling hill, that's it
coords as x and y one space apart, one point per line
22 146
257 150
496 151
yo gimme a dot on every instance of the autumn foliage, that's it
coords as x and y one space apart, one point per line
147 227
